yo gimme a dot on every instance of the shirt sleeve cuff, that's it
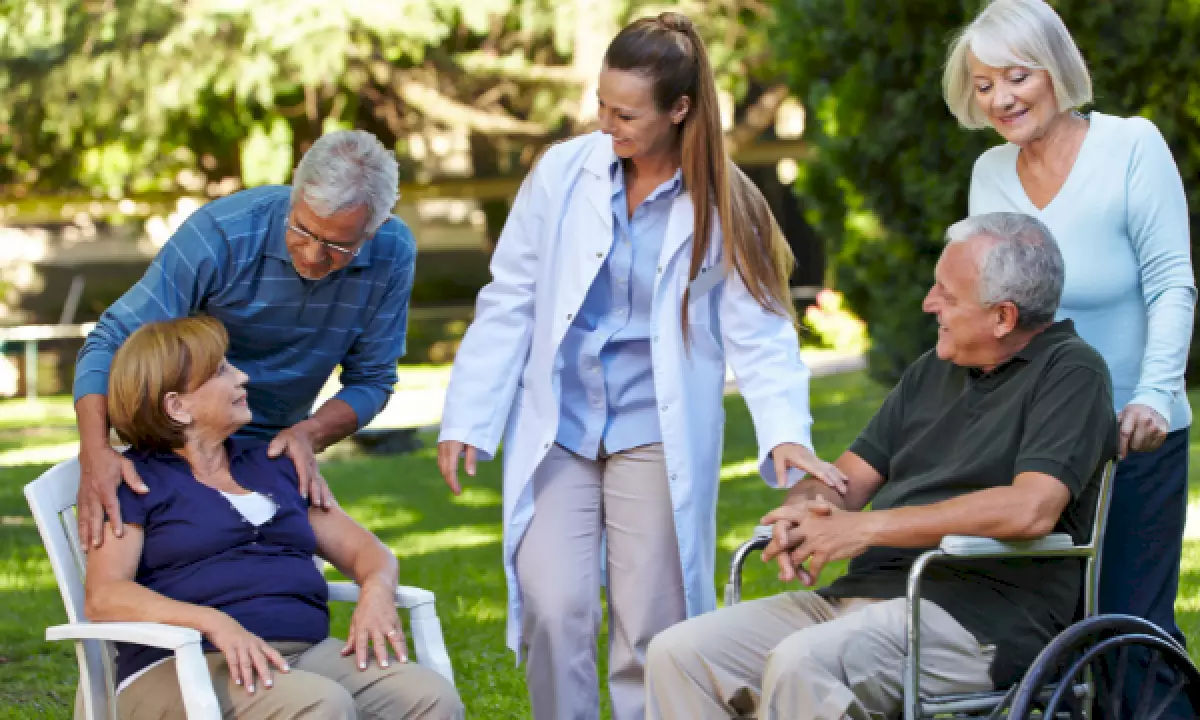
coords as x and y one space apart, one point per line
871 455
1157 400
90 382
365 402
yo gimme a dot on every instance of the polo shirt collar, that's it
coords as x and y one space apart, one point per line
276 246
1036 345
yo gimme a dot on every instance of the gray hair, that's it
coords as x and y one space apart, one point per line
348 169
1023 265
1027 33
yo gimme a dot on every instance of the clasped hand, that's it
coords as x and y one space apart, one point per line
809 534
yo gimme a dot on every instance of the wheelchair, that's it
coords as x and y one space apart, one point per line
1080 675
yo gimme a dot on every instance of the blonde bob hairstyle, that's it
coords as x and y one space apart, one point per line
160 358
1027 33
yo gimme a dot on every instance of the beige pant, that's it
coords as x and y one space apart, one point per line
625 497
797 656
322 685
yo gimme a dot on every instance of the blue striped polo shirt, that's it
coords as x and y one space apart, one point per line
229 260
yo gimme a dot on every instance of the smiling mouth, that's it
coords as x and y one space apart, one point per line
1014 117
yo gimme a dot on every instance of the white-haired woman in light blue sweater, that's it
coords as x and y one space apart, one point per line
1110 192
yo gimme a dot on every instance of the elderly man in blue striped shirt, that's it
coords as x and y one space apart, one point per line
305 278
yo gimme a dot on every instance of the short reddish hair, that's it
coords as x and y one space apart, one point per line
160 358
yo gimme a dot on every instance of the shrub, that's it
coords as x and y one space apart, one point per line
891 168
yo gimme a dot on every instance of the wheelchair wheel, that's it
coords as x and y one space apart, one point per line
1109 667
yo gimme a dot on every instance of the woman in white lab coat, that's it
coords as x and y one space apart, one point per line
635 262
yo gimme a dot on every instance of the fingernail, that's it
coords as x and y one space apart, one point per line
385 663
239 682
251 688
287 668
362 666
268 683
403 658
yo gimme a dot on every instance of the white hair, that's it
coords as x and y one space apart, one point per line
348 169
1026 33
1023 265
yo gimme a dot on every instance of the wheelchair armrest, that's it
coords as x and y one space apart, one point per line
966 546
406 597
167 637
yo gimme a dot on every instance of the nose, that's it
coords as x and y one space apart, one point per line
930 304
1003 98
242 378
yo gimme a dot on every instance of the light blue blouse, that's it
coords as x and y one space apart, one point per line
607 379
1121 221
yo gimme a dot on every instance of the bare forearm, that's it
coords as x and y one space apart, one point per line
127 601
810 489
335 420
91 416
1003 513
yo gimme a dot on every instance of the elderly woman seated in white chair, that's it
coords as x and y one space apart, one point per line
223 543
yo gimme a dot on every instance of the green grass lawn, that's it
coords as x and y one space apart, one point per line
446 544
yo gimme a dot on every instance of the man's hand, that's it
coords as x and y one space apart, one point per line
375 623
449 451
298 445
794 455
1142 429
102 470
815 533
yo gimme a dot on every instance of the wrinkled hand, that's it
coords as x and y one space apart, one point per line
810 535
1142 429
298 445
101 472
449 451
246 653
794 455
375 623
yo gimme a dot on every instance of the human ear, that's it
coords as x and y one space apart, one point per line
680 110
176 408
1007 317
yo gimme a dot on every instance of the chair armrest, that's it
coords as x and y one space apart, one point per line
406 597
966 546
167 637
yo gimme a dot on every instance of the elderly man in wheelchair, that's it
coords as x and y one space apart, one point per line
1003 431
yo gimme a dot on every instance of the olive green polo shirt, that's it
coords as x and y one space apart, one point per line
945 431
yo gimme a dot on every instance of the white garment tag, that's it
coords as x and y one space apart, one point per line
708 279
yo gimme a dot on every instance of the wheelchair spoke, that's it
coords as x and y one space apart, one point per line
1146 694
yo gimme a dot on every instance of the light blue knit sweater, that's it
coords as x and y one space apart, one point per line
1121 220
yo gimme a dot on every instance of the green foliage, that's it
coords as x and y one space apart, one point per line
891 167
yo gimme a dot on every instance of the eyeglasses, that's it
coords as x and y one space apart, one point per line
338 250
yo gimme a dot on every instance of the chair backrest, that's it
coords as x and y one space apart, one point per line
51 499
1091 582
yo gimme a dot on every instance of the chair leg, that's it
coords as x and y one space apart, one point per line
427 640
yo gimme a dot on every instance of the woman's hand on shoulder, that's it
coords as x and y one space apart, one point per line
375 623
245 653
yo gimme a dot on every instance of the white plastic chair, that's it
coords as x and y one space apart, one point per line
52 500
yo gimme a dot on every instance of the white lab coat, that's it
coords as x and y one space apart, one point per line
506 378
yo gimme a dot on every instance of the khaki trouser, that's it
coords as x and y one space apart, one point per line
625 497
797 656
322 685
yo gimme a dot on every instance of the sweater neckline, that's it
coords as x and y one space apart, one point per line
1077 169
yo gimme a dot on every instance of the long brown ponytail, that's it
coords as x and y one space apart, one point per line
668 50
